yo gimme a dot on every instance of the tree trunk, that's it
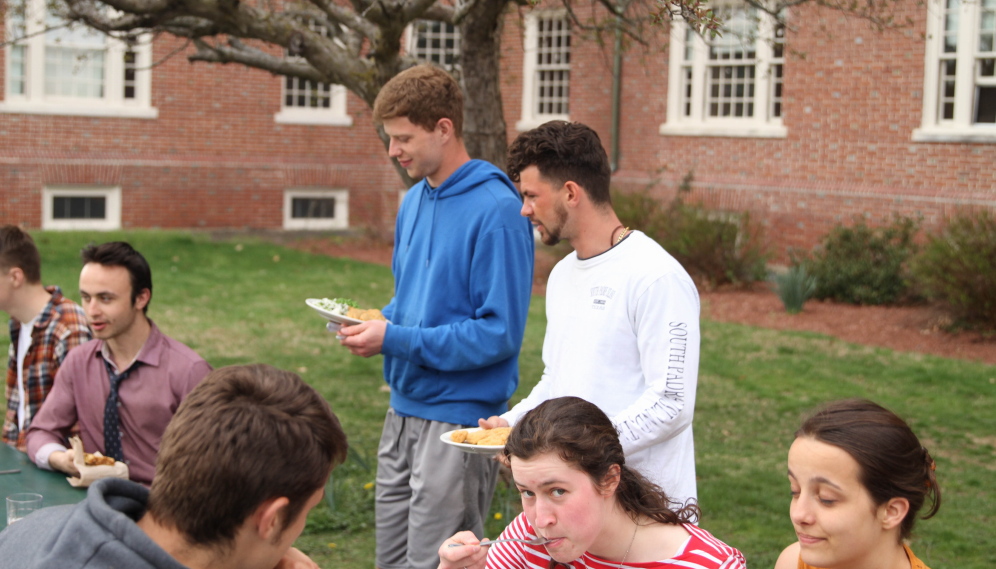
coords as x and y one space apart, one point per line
480 53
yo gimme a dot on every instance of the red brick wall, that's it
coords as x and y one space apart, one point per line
216 158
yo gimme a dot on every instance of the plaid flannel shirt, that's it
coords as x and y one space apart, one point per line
60 327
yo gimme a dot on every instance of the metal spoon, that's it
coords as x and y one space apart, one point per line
533 541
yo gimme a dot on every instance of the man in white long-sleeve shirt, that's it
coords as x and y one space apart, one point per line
622 314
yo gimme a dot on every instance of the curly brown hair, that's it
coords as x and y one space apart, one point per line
584 437
423 94
564 151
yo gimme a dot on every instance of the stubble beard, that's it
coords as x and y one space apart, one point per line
551 236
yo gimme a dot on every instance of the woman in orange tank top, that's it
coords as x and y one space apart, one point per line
859 477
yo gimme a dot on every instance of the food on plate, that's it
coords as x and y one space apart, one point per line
483 437
364 315
347 307
339 306
97 460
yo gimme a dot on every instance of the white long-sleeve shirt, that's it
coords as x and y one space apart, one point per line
623 333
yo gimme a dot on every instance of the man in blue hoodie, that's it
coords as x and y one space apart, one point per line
463 269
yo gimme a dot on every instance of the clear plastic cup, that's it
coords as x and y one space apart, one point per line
20 505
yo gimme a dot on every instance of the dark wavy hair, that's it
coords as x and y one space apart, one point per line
122 254
892 462
564 151
584 437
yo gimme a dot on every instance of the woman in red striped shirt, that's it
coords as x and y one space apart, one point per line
594 511
859 476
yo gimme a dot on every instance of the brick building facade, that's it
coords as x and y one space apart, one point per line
857 122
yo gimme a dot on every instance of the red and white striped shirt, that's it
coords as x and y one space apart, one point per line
700 551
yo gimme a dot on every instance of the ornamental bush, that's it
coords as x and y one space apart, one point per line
958 267
714 247
865 265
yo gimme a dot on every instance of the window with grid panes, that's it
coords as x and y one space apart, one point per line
546 70
71 208
553 66
72 70
309 102
960 73
436 42
730 84
316 209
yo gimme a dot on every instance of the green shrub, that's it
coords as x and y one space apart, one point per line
959 267
713 247
864 265
794 287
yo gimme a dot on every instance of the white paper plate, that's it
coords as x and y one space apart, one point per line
314 303
487 450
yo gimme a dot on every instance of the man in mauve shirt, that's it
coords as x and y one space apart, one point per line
124 386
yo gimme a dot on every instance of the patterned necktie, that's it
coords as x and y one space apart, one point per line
112 424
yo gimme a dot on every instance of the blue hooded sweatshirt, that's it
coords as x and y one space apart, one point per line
463 274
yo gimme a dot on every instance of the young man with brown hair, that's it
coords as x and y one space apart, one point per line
622 314
125 385
44 326
243 461
463 265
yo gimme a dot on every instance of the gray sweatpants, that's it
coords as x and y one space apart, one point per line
426 492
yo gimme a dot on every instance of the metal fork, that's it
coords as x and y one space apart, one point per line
533 541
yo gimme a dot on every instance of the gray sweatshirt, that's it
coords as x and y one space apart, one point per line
99 532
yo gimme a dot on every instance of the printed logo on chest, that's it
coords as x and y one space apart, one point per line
600 297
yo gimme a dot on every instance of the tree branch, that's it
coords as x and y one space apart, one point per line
348 18
237 52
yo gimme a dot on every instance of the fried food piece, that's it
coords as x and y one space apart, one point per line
95 460
459 436
474 437
364 315
495 437
372 314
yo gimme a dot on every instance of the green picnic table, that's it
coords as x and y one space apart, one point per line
53 487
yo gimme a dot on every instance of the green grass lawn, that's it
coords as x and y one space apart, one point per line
240 302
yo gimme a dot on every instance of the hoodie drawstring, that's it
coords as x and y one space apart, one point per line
432 228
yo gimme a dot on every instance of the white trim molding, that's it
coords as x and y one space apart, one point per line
74 71
112 208
340 219
958 67
559 64
728 86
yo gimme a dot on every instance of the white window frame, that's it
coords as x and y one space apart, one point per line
335 115
934 128
530 118
761 125
340 221
112 208
113 104
411 40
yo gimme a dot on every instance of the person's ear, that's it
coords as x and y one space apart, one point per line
892 513
16 276
572 194
444 127
611 481
143 298
266 518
